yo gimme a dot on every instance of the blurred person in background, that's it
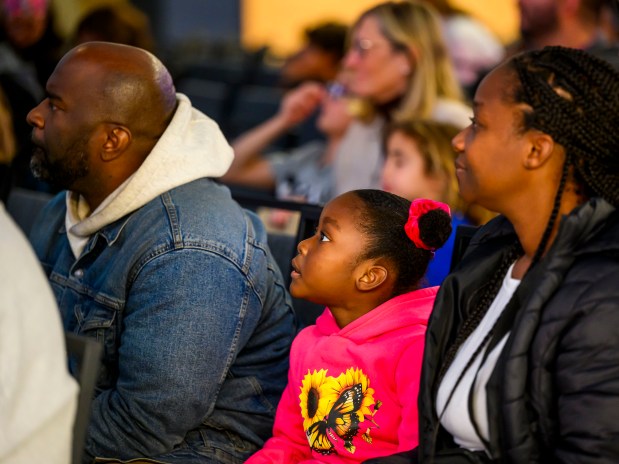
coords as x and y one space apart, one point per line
116 22
304 173
27 30
569 23
320 57
610 20
399 64
38 397
29 50
473 48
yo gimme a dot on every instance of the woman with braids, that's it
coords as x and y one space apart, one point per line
521 363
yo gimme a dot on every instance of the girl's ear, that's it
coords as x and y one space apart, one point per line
372 277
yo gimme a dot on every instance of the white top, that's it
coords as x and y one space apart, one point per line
456 419
359 161
38 396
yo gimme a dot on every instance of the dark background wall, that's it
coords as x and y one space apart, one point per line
179 20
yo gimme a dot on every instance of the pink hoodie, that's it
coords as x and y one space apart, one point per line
352 392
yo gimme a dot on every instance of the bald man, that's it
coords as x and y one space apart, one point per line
148 255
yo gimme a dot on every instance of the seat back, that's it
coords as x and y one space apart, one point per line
205 95
284 247
85 352
24 205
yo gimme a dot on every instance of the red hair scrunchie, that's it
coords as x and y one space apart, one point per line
418 208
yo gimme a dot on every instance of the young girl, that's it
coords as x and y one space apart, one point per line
353 379
420 164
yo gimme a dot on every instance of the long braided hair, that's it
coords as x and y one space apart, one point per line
574 97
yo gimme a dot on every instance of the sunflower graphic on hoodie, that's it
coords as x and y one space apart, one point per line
335 409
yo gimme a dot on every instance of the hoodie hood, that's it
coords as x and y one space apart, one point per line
192 147
409 309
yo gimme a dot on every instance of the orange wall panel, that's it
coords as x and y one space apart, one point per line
280 23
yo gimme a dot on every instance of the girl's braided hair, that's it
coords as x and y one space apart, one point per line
382 220
573 97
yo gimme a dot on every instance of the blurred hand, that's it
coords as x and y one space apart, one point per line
299 103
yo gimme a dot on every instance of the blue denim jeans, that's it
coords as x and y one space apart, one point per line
216 446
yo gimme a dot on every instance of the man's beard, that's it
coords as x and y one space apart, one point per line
60 173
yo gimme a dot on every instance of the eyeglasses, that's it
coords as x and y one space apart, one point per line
362 46
336 90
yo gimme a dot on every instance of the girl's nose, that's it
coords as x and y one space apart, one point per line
302 246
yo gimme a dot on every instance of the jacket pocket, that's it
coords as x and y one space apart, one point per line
100 322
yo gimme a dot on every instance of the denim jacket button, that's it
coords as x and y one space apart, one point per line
79 273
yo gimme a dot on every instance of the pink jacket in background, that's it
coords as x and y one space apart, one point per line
352 392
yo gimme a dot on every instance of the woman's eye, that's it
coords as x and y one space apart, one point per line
324 238
473 122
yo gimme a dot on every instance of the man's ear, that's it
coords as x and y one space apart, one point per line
372 277
542 147
116 140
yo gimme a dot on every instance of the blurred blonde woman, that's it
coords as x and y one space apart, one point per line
399 65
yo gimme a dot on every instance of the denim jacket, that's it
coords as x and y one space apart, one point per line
194 318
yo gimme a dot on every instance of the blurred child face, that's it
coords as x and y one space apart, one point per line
334 117
404 172
324 269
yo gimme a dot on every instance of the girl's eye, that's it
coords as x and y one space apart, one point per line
324 238
473 122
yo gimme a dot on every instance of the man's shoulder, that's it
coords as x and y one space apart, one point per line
202 199
207 189
200 213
